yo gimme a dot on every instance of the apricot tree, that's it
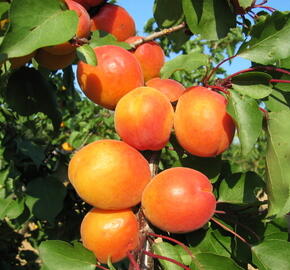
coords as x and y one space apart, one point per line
116 157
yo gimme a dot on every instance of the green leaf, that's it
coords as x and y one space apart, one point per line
270 39
4 7
188 62
45 197
60 255
29 92
35 24
3 176
272 255
168 13
11 208
86 54
209 18
277 229
278 101
209 261
167 250
212 242
278 166
253 84
241 188
101 38
245 3
248 118
31 150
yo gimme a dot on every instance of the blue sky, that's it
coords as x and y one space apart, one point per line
141 11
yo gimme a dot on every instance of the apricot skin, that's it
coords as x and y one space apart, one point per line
83 29
110 234
201 123
109 174
117 73
150 56
179 200
171 88
115 20
17 62
144 118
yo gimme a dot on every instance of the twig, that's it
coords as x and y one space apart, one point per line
156 35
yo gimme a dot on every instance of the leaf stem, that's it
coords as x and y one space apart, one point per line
101 267
166 259
279 81
206 79
231 231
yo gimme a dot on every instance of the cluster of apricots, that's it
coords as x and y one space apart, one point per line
113 176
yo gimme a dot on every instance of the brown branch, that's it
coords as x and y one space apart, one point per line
159 34
144 261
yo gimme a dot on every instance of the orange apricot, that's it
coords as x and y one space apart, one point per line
109 174
144 118
17 62
83 29
110 234
52 61
115 20
117 73
179 200
150 56
201 123
171 88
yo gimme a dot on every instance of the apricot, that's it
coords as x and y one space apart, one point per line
110 234
83 29
17 62
109 174
171 88
144 118
115 20
201 123
54 62
89 3
117 73
150 56
179 200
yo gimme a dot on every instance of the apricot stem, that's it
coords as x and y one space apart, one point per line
231 231
219 212
219 88
158 34
166 259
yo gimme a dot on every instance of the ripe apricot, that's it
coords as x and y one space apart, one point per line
83 29
179 200
117 73
201 123
150 56
110 234
115 20
109 174
144 118
171 88
54 62
89 3
17 62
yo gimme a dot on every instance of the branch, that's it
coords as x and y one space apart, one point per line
158 34
144 261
